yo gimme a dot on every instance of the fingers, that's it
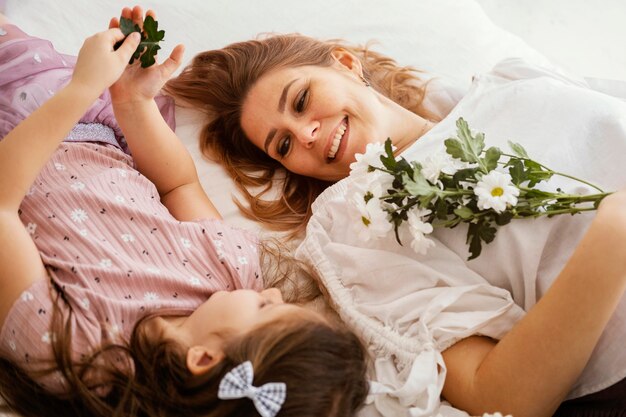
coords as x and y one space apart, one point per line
114 23
172 63
130 44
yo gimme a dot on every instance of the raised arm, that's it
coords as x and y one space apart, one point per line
157 151
530 371
26 149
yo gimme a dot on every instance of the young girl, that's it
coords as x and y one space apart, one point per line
123 293
536 320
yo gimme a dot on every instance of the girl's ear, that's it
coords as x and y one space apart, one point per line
200 359
348 60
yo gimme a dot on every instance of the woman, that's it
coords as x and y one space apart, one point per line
123 293
310 106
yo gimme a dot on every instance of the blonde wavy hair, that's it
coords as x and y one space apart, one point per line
217 82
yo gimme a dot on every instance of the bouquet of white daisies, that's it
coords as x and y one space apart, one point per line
484 188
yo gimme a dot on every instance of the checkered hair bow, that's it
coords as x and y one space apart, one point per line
237 383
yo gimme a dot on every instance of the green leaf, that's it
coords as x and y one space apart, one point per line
464 212
516 170
419 186
492 156
535 172
150 38
464 175
388 160
503 218
518 150
153 37
467 147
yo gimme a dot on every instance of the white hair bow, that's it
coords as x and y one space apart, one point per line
237 383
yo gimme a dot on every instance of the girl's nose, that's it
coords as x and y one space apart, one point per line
274 295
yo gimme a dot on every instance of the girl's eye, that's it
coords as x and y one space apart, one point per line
301 101
283 146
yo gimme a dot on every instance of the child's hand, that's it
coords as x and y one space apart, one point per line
98 65
141 84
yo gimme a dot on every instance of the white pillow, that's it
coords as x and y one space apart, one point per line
450 39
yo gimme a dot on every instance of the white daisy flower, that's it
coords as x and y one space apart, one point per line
218 243
78 215
59 167
77 186
220 254
495 190
27 296
83 232
31 227
12 345
153 270
496 415
242 260
150 296
195 281
127 237
114 331
122 172
374 222
418 229
120 199
85 303
105 263
185 242
30 191
373 152
434 164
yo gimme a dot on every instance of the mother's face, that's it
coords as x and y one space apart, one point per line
314 119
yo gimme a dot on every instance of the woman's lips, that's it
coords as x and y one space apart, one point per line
343 140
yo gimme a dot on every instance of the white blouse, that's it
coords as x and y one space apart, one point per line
409 307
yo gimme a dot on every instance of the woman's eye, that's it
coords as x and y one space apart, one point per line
283 146
301 101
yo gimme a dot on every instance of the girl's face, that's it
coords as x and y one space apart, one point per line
313 119
238 311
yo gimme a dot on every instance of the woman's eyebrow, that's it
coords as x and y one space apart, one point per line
281 109
283 96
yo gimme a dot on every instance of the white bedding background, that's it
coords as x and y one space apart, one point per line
451 38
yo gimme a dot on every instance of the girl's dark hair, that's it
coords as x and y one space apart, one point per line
323 365
217 82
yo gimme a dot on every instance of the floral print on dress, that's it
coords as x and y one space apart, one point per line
77 186
79 215
31 228
105 263
27 296
127 237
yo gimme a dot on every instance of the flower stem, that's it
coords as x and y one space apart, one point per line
555 172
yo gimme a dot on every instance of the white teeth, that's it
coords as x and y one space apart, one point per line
337 140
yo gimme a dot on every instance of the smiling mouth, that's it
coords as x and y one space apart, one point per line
341 130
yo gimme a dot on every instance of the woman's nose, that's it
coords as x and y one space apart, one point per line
307 133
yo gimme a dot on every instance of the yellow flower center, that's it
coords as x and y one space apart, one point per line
497 191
